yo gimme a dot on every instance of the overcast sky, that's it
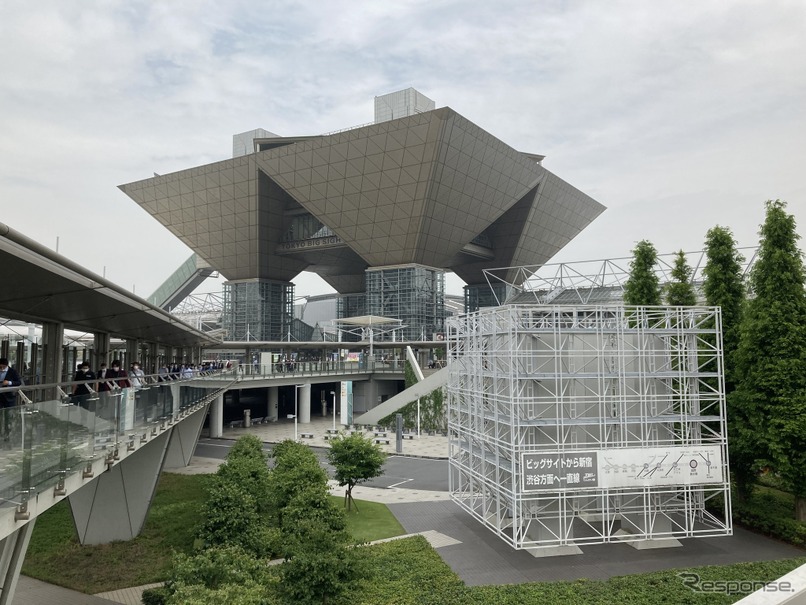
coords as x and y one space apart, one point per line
675 115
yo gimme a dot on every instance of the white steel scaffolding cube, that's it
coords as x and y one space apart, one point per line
573 425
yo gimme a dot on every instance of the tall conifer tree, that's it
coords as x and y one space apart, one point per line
723 287
680 291
769 403
643 286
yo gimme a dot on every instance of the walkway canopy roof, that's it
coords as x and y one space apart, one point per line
41 286
369 321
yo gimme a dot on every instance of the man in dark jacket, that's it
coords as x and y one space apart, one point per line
82 392
8 378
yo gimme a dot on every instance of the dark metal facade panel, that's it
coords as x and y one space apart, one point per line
413 190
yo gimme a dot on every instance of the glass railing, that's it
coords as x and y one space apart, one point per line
318 368
58 429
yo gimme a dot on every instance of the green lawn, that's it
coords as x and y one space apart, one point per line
55 556
372 521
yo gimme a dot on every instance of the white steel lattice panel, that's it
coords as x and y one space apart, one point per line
564 379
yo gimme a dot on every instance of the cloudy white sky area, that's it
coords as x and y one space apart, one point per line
675 115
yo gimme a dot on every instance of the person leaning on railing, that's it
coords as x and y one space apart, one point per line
8 378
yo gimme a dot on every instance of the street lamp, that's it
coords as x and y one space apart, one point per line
296 413
334 410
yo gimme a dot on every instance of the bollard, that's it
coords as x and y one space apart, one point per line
247 418
399 433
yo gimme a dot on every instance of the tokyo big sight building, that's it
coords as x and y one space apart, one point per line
381 212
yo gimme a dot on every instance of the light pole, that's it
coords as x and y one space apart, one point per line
334 410
296 413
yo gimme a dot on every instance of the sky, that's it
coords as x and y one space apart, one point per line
677 116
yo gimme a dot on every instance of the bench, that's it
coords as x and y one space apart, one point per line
380 434
306 435
236 424
330 437
356 432
381 440
333 431
408 436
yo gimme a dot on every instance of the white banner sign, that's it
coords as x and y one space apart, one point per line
628 467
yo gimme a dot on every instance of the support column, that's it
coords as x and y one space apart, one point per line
52 339
304 404
12 554
132 353
153 359
100 350
115 504
217 417
272 407
184 437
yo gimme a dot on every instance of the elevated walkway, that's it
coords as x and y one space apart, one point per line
104 453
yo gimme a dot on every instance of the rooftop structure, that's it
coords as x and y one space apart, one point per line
380 212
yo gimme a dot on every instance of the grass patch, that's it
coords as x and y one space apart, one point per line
54 554
373 522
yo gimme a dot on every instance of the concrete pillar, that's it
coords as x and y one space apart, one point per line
176 398
184 437
132 353
272 407
114 505
304 404
52 339
12 554
217 417
153 359
100 350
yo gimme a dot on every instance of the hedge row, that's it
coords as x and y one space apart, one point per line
770 513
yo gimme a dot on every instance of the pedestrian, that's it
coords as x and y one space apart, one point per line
82 389
8 399
119 373
137 377
105 386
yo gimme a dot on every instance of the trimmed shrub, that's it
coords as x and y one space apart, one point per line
155 596
247 446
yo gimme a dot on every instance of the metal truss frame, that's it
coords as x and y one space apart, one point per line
584 280
536 378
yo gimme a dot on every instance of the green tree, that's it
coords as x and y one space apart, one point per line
680 291
319 565
248 446
723 287
642 287
356 460
296 467
432 407
769 403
